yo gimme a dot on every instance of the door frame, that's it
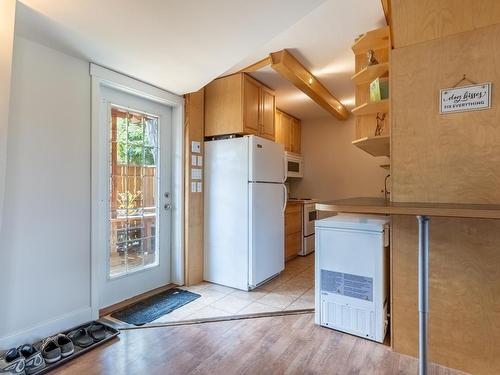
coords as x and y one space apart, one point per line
104 77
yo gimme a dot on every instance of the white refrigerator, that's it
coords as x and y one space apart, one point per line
245 199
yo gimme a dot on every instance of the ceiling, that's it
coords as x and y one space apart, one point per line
180 46
177 45
322 42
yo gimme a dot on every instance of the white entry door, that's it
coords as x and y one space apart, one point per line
135 214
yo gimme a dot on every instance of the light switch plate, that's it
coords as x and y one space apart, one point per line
193 187
195 174
194 160
196 147
199 186
200 160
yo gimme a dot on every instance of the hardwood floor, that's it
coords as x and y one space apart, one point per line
272 345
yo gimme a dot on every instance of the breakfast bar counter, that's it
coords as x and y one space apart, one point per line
382 206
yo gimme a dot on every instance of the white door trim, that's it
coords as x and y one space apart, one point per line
104 77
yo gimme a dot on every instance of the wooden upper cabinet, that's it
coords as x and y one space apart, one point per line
278 133
288 131
267 113
251 105
239 104
286 128
295 136
223 106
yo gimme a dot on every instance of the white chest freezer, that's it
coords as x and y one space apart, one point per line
352 274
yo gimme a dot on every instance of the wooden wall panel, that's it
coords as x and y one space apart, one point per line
193 212
446 158
464 292
419 21
453 157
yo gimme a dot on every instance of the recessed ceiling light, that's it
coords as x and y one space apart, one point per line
348 101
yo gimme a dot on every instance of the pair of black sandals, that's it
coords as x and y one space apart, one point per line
86 336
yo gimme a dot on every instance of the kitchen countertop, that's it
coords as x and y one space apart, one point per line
302 200
382 206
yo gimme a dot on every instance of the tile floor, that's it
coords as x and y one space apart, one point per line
293 289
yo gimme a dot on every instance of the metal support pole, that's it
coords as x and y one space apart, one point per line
423 291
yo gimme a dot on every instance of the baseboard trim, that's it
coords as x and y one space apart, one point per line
42 330
130 301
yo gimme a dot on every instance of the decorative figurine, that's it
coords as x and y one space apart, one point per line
380 123
370 55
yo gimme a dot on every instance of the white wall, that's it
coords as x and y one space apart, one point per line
7 21
333 167
45 237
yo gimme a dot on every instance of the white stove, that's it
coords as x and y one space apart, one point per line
309 215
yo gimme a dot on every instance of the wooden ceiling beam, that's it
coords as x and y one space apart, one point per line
258 65
291 69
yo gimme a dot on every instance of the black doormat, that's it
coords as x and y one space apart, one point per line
153 307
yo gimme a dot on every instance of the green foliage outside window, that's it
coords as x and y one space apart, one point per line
139 149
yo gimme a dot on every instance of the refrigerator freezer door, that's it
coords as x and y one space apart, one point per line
266 231
267 161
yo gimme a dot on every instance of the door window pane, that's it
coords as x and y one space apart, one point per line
133 194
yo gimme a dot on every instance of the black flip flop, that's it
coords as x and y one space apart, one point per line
81 338
97 331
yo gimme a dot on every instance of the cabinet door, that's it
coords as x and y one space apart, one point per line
251 104
293 222
295 136
278 131
268 108
293 229
293 245
286 127
223 106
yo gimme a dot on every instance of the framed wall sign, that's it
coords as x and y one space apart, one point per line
465 98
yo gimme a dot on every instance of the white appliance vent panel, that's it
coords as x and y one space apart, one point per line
347 318
346 284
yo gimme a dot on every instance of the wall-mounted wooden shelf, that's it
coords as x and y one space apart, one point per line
375 146
367 121
385 166
374 39
372 108
370 73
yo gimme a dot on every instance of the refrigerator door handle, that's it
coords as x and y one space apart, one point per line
285 167
285 198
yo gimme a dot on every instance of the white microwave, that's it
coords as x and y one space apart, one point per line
294 165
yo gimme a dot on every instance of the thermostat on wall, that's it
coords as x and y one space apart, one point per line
196 147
